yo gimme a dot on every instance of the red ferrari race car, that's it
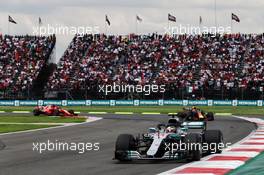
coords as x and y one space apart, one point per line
53 110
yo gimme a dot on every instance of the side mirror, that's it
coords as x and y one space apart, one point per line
160 125
152 130
184 129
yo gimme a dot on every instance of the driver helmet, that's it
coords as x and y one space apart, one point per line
171 129
194 108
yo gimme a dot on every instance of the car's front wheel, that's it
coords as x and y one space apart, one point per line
124 143
71 112
210 116
36 112
193 143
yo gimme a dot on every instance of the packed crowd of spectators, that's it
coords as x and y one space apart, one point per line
200 61
21 58
146 59
232 61
253 71
179 61
222 61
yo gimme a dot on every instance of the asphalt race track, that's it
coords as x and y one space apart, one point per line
19 158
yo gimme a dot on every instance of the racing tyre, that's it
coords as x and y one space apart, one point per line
194 143
36 112
72 112
213 138
181 115
56 113
124 143
210 116
190 116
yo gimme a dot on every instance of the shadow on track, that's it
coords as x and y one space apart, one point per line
2 145
151 162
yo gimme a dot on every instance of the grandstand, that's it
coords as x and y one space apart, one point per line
191 66
229 66
22 58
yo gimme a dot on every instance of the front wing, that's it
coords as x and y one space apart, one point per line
135 155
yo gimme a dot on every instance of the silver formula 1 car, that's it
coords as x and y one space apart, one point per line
175 140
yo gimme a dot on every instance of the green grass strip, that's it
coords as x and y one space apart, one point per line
40 119
6 128
235 110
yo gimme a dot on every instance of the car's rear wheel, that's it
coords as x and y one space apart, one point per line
36 112
194 144
210 116
124 143
190 116
56 113
213 138
71 111
181 115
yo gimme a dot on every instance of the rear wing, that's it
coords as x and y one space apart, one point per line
194 125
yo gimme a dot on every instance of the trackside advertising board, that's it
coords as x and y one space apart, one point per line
133 102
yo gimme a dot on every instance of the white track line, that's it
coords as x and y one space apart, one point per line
195 174
21 112
218 164
257 136
249 146
239 153
97 112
